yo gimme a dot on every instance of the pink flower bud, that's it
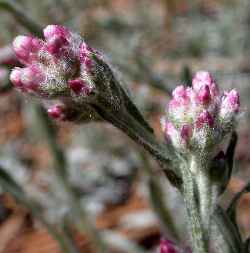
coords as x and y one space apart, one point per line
27 48
180 94
15 77
31 77
85 52
170 130
57 30
186 132
85 49
203 95
166 246
204 118
56 44
203 78
79 86
232 101
173 104
88 64
56 112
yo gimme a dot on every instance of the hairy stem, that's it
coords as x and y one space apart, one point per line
142 136
200 168
199 242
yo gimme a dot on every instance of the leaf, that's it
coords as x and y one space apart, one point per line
9 184
230 152
231 210
246 246
226 235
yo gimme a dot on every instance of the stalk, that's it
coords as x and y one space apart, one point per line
199 242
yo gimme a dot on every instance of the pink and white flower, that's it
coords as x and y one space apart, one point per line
197 113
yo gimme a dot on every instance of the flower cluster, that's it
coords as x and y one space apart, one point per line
199 117
61 68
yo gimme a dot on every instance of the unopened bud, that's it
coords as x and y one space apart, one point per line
26 48
204 119
15 77
56 112
167 246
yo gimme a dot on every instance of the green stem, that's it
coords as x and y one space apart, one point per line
198 238
68 238
200 168
224 234
142 136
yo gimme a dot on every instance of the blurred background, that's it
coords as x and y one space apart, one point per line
154 45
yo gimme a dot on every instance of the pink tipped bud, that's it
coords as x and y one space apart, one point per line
85 49
15 77
32 77
179 91
85 59
88 64
186 132
56 45
204 118
203 96
180 94
232 101
79 86
170 130
26 48
56 112
166 246
203 78
57 30
230 106
173 104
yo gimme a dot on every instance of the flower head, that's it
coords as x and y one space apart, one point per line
199 117
63 68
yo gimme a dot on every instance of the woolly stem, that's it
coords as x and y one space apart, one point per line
142 136
198 237
200 168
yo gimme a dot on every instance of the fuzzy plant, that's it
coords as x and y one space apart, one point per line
77 83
